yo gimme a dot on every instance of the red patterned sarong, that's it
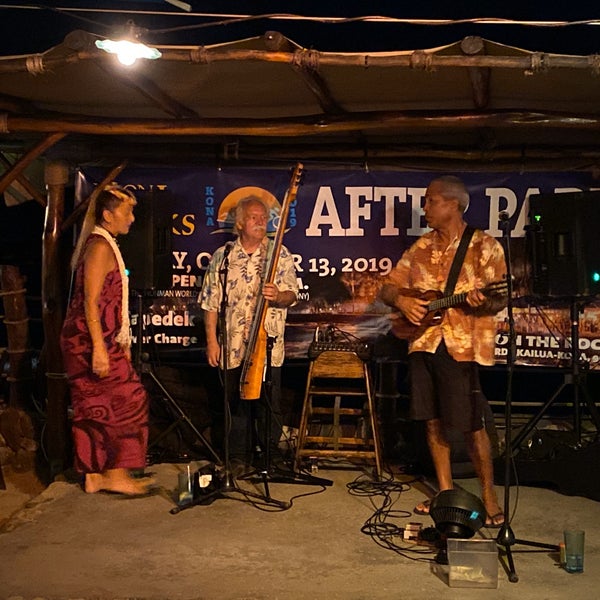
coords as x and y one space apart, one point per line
110 414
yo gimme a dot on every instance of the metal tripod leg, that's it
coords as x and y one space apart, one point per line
574 378
268 472
181 416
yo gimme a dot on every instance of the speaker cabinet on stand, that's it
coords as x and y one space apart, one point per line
147 248
565 265
562 238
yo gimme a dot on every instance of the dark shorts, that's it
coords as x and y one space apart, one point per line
443 388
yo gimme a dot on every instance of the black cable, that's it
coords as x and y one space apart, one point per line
379 526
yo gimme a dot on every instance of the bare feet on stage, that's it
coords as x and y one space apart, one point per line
495 516
117 481
422 508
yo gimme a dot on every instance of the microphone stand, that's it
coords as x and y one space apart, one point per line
268 472
506 538
227 487
227 481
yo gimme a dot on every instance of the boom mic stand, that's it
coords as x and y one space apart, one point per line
145 368
227 487
506 537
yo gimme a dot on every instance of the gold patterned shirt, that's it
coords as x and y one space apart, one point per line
468 333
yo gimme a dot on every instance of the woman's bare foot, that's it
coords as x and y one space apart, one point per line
93 483
116 480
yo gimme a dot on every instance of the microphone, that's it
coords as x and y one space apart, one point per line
503 215
227 250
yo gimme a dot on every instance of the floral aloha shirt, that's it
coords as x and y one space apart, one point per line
469 334
244 282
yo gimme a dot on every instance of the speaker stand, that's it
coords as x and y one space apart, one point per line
181 416
575 378
144 368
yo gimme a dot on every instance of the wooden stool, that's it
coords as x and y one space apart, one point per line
338 405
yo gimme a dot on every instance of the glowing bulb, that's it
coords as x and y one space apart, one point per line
128 52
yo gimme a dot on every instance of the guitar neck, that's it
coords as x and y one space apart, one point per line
447 301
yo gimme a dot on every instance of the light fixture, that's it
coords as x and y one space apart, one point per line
128 48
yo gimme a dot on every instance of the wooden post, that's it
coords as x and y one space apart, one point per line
12 286
56 176
16 426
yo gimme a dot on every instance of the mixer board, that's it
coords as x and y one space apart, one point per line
361 349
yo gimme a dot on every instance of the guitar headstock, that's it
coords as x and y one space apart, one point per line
297 175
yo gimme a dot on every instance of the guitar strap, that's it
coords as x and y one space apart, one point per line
459 257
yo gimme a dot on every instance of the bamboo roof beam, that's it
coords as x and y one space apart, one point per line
17 169
82 207
309 126
29 187
529 62
479 76
152 91
306 64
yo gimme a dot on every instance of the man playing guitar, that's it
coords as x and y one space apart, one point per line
444 354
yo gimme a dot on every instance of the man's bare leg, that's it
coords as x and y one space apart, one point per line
480 452
439 448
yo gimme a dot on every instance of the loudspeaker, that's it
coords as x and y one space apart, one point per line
562 240
147 247
556 460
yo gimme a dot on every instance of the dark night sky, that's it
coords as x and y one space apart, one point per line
27 31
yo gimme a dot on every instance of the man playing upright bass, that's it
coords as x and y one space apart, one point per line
245 283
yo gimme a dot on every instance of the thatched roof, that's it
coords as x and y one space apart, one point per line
267 98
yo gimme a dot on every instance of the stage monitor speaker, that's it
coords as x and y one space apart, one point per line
562 243
147 249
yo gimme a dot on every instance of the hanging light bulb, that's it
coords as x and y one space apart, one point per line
128 49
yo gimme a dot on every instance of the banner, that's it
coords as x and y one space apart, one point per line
346 229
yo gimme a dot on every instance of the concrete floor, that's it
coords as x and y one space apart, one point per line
64 544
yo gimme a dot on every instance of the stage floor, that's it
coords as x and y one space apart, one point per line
64 544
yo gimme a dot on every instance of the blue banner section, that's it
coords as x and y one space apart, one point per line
346 229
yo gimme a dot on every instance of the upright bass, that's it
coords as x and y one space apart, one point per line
256 350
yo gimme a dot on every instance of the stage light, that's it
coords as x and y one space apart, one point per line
128 48
457 513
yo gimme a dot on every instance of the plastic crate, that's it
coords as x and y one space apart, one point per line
472 563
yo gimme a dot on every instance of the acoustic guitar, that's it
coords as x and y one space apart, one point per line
438 303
